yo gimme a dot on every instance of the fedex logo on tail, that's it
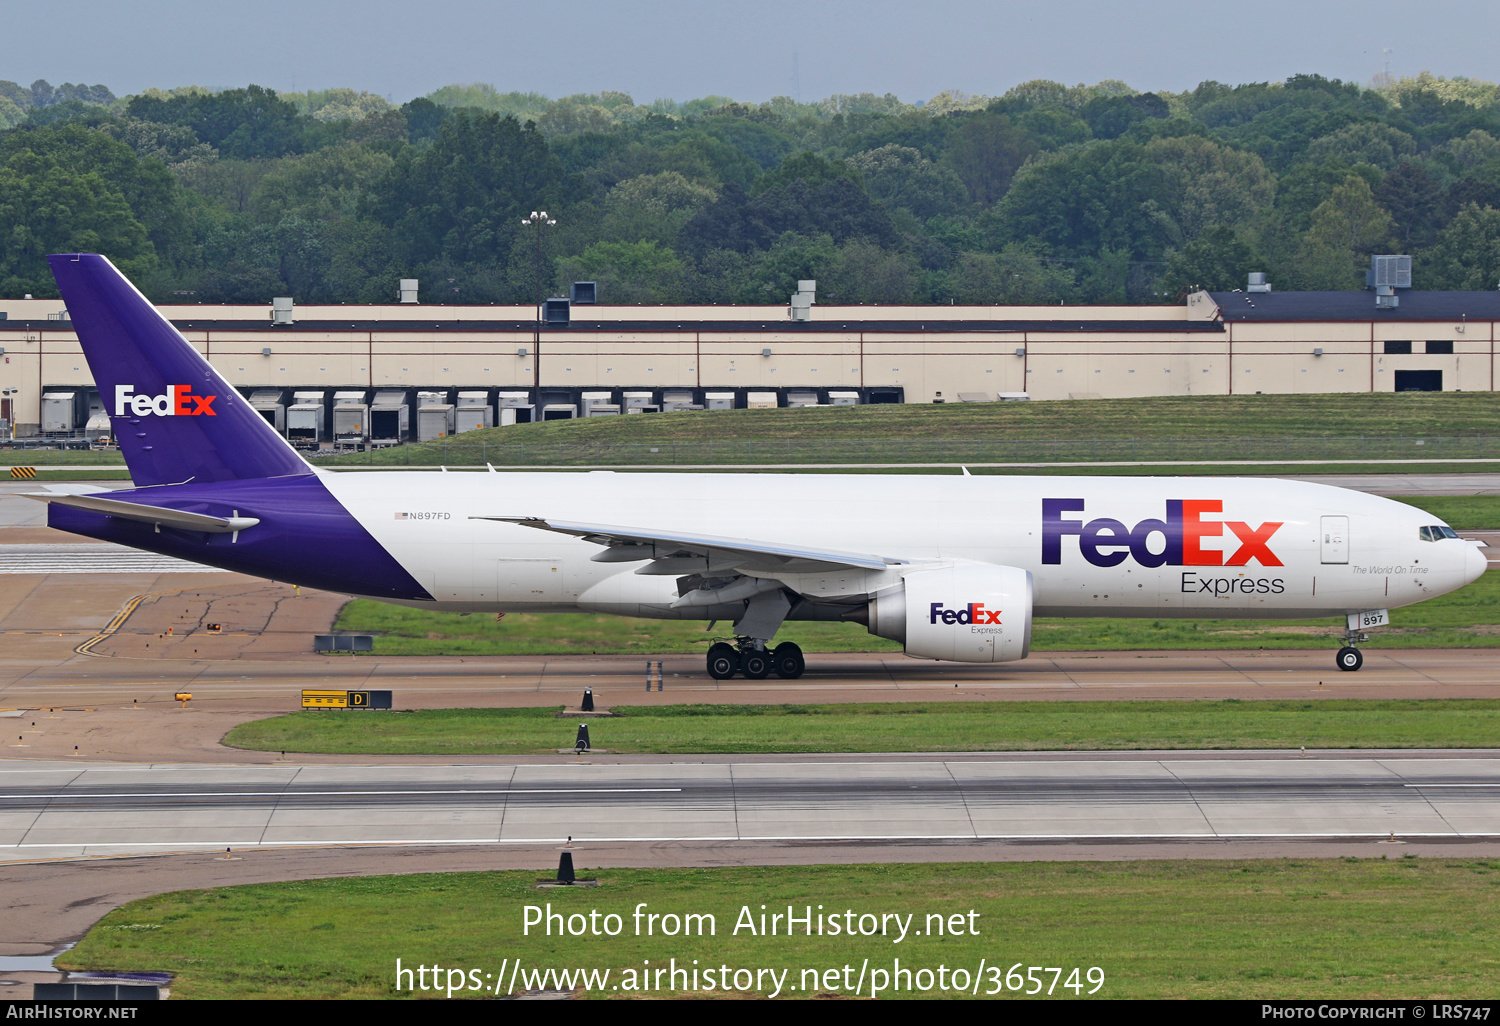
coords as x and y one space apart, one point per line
1107 542
974 612
177 401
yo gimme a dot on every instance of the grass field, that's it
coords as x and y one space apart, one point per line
1333 929
894 727
1176 428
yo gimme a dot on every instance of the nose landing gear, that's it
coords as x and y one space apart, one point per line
749 656
1349 657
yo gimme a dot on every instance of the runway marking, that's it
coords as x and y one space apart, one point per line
340 794
1450 785
194 846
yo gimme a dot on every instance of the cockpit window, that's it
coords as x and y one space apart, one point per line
1437 532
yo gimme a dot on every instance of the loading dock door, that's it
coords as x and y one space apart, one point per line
1419 381
1335 539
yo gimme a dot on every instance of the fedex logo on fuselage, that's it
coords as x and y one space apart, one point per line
974 612
177 401
1107 542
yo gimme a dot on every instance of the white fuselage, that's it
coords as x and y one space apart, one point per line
1334 552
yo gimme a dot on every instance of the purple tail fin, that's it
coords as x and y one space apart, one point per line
175 418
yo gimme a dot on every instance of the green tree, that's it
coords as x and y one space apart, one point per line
11 115
1346 228
462 198
628 272
986 152
900 176
653 207
1218 260
863 272
1466 254
1207 184
1014 276
320 186
1414 201
146 186
1369 142
47 207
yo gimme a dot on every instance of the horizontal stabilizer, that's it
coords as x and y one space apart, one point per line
742 552
160 516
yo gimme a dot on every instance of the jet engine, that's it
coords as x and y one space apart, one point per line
970 613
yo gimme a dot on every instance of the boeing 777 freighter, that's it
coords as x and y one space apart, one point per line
953 567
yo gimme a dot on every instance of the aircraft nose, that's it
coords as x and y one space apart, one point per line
1475 563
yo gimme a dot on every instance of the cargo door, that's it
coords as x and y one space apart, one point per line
532 580
1335 540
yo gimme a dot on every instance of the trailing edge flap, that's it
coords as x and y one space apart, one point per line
737 552
159 516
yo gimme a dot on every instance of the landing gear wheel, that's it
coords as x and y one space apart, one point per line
787 661
1349 658
755 664
723 661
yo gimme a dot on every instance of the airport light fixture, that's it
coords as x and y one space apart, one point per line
536 222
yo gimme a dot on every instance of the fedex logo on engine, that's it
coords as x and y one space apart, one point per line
1106 542
974 612
177 401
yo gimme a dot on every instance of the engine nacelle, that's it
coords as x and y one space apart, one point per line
970 613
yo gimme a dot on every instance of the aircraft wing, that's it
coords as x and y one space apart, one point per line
674 552
160 516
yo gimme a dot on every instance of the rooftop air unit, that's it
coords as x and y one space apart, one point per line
407 291
1387 274
584 293
281 310
803 299
1258 282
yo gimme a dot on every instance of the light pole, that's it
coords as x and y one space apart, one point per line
537 221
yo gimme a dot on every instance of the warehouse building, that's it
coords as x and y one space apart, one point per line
392 372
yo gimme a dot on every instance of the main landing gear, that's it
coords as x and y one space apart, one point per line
748 656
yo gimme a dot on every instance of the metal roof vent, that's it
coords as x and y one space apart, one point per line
803 299
406 292
1258 282
1387 274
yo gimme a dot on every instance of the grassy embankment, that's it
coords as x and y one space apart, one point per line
1198 429
1272 428
1332 929
1469 618
895 727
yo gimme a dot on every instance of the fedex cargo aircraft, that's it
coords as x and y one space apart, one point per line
953 567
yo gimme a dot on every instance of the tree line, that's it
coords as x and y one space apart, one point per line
1046 194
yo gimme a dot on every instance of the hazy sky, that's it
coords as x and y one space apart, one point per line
751 51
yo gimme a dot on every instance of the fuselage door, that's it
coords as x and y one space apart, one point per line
1335 539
